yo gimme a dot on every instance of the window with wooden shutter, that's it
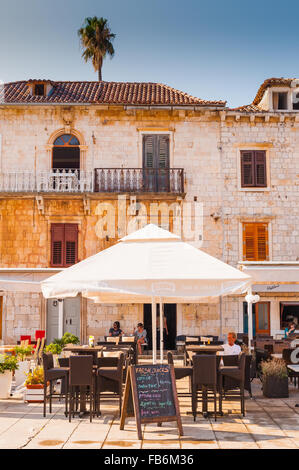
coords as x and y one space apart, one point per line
57 242
71 243
64 244
255 242
253 168
148 151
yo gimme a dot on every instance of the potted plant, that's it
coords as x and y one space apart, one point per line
55 349
35 386
22 354
68 338
8 364
275 379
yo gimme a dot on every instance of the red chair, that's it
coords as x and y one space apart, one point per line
40 334
25 338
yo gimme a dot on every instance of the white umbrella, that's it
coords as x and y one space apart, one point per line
148 265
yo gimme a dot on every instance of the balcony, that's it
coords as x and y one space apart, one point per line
107 180
139 180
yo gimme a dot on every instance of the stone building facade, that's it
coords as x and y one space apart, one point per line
110 123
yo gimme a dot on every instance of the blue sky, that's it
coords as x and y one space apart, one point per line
212 49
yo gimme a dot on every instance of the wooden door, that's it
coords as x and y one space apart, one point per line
262 318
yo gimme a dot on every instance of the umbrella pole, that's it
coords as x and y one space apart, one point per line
250 324
154 329
161 330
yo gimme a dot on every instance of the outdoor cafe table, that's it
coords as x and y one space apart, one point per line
202 348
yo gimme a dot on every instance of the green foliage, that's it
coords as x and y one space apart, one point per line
275 367
8 363
35 377
96 41
54 348
67 338
23 352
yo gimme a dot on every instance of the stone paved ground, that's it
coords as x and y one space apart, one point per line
269 423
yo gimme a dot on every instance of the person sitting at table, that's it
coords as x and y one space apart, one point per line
290 330
141 336
115 330
230 349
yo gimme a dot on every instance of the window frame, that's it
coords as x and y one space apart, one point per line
268 251
253 146
254 166
64 241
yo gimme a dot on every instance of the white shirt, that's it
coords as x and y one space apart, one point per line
230 350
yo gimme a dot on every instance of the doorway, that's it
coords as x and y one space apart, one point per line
71 317
260 318
156 163
170 313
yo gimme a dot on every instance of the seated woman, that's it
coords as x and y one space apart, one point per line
140 335
115 330
290 330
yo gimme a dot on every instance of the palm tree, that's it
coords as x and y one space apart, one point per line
95 37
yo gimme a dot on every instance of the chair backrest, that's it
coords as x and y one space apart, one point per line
108 361
169 357
269 348
204 369
231 360
242 363
40 334
128 339
25 338
286 355
115 353
81 370
192 339
36 351
42 345
64 361
112 339
48 362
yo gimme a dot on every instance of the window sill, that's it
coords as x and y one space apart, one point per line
255 189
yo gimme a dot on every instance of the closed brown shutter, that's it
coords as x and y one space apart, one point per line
255 242
57 244
148 151
64 244
253 168
260 169
247 169
163 151
71 244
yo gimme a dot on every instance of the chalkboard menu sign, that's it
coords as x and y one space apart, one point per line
151 396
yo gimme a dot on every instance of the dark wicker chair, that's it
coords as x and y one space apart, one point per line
81 381
230 383
236 372
181 373
110 379
51 374
286 356
204 382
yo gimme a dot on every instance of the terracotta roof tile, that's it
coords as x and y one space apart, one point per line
121 93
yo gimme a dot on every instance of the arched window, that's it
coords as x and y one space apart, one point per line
66 152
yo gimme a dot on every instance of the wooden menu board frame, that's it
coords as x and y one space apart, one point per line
131 407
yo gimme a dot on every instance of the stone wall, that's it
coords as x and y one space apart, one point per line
22 315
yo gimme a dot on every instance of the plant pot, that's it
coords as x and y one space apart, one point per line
20 373
275 387
35 393
5 384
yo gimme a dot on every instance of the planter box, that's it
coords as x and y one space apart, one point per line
35 393
5 384
275 387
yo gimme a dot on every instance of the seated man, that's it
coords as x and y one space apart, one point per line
230 348
140 335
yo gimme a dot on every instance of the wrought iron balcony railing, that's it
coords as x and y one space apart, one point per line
108 180
55 180
136 180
